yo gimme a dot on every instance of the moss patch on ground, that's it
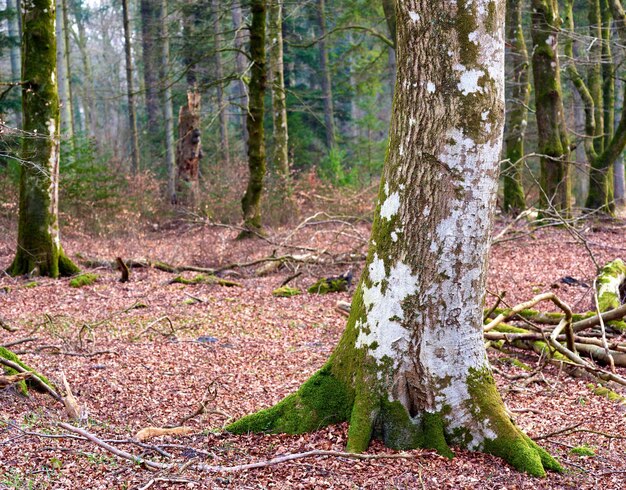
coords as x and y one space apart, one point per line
86 279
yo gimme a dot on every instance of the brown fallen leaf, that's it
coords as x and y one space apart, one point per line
151 432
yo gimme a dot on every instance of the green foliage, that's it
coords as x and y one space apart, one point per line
583 450
81 280
286 292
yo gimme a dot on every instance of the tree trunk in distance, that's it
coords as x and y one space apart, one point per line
14 34
251 201
411 366
150 23
170 158
130 91
327 90
241 91
279 99
553 140
189 152
389 7
65 100
517 116
68 69
88 84
39 248
219 75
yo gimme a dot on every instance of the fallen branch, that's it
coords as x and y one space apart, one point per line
6 381
228 469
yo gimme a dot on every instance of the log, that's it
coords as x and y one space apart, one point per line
608 285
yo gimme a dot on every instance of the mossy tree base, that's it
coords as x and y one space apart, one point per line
53 264
325 400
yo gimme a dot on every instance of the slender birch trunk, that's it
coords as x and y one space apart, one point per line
411 367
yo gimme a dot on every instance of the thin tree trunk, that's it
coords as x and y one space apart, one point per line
14 34
279 99
68 68
88 83
327 91
130 91
411 367
219 75
39 248
189 151
553 141
170 158
67 128
389 7
518 96
241 91
150 22
251 202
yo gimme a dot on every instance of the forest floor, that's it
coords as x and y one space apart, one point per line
146 352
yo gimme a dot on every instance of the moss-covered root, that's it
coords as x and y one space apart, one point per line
23 385
509 443
321 401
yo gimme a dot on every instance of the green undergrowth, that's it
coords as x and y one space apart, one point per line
607 393
86 279
583 450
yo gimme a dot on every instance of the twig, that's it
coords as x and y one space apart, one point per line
21 341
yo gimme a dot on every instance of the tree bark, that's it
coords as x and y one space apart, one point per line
219 76
130 91
14 34
241 91
39 248
251 201
279 99
327 90
68 69
80 16
189 152
411 367
517 116
150 23
170 158
67 126
553 142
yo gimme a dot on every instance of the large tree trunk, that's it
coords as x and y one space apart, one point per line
411 367
188 152
130 91
170 158
327 90
553 141
219 76
518 93
279 99
39 248
251 201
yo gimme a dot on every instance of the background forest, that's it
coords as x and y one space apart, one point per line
338 66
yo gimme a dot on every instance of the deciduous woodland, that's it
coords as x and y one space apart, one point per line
324 244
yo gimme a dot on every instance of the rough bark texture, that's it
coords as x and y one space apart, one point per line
327 90
219 76
279 99
39 248
188 151
553 141
251 201
518 93
411 367
130 91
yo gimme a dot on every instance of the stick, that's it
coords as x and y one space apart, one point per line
229 469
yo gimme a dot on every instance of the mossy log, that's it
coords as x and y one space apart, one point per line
609 285
13 365
205 279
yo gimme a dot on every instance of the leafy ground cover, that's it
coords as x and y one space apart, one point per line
148 351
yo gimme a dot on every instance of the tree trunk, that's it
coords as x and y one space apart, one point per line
130 91
251 202
327 90
88 84
517 115
219 76
389 7
241 91
39 248
150 23
411 367
279 99
14 34
553 141
170 158
189 152
68 69
67 128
